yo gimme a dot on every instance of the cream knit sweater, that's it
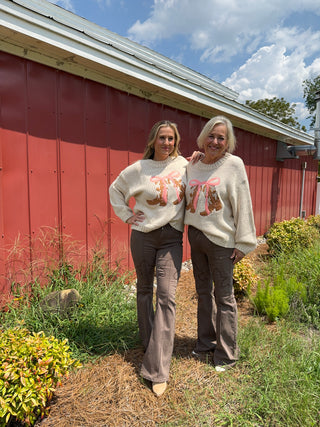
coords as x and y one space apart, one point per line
219 203
158 188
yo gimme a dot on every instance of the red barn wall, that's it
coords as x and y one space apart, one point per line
64 139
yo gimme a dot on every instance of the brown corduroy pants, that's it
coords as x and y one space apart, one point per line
217 308
160 252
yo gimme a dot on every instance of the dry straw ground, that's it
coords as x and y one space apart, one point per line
110 392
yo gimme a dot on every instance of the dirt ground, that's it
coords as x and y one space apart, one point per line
110 392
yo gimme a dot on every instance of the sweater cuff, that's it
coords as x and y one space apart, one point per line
125 219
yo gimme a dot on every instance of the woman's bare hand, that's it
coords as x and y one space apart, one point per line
236 256
195 157
136 218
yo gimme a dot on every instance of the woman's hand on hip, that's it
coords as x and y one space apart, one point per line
136 218
236 256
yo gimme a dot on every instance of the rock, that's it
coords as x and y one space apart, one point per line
60 302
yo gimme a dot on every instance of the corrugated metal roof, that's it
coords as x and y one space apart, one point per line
46 33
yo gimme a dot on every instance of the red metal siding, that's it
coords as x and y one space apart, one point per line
73 157
275 186
15 187
42 148
64 139
97 166
119 159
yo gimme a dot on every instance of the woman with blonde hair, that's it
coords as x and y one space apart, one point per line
157 183
221 232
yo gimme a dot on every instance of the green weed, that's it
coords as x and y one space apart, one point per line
103 322
298 274
279 382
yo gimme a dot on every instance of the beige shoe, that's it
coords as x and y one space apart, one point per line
159 388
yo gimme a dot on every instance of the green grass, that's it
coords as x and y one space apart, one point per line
275 383
103 322
279 383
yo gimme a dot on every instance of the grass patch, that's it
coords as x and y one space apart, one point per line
103 322
302 268
280 377
275 383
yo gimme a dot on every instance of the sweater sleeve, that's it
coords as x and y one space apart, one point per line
245 236
119 198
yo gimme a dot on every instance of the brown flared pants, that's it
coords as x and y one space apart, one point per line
217 308
160 252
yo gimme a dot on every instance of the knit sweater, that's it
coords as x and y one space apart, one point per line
158 188
219 203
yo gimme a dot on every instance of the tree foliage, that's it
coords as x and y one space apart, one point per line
277 108
310 87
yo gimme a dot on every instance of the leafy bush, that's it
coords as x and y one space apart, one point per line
303 266
314 221
290 235
31 366
244 277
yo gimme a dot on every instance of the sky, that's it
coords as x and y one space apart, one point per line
260 49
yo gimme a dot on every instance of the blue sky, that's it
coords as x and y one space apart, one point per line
260 49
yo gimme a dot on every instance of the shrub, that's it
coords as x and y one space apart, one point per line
314 221
289 235
275 301
31 366
271 301
244 277
303 266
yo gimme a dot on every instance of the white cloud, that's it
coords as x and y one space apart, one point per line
269 72
301 111
66 4
314 68
275 59
247 44
304 42
219 28
278 69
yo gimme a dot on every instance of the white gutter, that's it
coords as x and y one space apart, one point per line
78 42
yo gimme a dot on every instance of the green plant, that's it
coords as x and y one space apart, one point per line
275 301
290 235
31 366
279 377
244 277
314 221
299 270
62 277
103 322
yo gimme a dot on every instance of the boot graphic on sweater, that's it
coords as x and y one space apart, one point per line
212 200
162 185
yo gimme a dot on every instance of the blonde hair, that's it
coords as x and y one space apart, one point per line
231 139
149 150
